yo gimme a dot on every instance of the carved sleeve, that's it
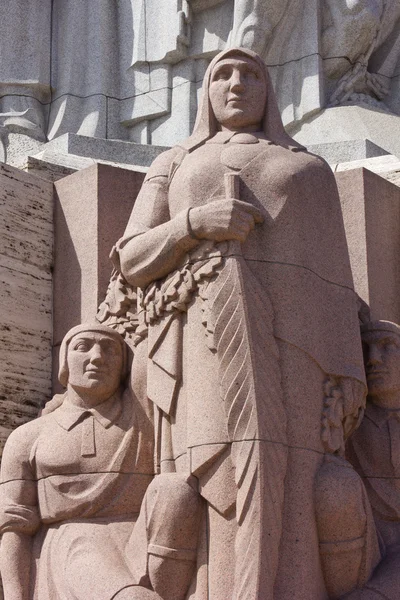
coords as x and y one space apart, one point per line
154 244
19 511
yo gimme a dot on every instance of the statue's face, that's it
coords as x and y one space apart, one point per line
382 366
238 94
95 363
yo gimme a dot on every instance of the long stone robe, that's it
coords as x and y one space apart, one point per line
298 320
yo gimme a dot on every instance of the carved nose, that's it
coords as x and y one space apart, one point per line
237 83
374 355
96 355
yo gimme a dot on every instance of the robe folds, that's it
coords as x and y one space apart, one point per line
241 339
74 480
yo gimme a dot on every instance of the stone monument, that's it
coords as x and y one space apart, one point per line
231 285
373 450
231 458
67 520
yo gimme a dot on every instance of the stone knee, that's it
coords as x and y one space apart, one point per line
339 501
166 535
342 525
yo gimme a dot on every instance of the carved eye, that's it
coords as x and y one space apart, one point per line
81 346
222 74
390 344
252 75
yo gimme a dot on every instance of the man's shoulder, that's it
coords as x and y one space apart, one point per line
20 442
53 404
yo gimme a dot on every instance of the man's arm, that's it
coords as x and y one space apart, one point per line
15 560
19 514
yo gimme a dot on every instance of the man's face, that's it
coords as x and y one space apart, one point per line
95 365
238 93
382 366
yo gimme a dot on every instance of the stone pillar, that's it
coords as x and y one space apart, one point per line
371 213
26 254
92 208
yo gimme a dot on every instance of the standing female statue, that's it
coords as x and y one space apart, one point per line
237 243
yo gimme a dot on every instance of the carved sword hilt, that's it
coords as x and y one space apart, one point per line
232 190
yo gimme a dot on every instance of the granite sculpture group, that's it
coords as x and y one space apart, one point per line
234 460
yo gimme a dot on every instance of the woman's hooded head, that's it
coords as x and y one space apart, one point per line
206 125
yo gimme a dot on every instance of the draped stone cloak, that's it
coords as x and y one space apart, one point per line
236 369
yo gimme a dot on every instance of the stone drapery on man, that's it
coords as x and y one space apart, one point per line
72 485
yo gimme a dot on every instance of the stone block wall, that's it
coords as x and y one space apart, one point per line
26 254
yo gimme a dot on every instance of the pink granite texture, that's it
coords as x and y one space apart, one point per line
246 334
72 485
217 470
374 451
91 210
371 213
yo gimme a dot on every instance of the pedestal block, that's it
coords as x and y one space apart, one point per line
92 208
371 213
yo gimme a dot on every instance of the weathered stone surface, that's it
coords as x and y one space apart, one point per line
346 151
121 73
115 151
26 258
25 66
371 213
56 169
374 451
232 283
387 166
349 123
56 542
97 434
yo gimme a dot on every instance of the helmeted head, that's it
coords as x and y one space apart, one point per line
381 344
237 85
93 360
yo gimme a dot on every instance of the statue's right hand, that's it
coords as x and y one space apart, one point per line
224 219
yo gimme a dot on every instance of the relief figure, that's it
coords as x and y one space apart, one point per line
374 451
73 482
